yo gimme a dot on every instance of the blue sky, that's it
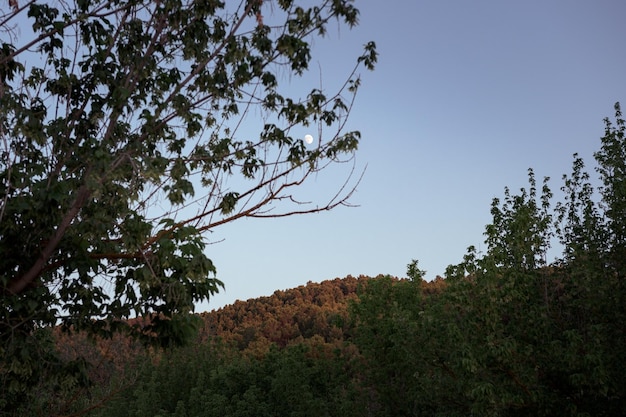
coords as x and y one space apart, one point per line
465 98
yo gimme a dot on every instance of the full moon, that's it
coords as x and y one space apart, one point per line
308 139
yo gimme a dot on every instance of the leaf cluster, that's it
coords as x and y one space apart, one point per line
128 131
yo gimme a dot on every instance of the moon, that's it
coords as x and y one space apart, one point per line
308 139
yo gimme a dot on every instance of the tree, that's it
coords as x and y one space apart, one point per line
611 160
512 334
126 131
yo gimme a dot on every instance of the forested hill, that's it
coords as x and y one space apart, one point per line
506 343
317 312
313 310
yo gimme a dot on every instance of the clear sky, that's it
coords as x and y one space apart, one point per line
466 97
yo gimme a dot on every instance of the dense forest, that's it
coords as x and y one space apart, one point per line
296 343
533 343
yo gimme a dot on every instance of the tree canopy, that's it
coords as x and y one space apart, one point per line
129 130
514 333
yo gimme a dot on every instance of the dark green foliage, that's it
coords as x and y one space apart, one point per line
388 329
611 160
512 334
121 148
301 380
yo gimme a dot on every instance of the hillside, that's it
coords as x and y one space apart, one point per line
490 344
285 316
292 350
313 310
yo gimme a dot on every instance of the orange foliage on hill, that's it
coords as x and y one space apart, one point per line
314 310
315 313
285 317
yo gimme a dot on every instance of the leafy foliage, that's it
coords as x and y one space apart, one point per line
511 334
290 352
125 131
300 380
273 355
